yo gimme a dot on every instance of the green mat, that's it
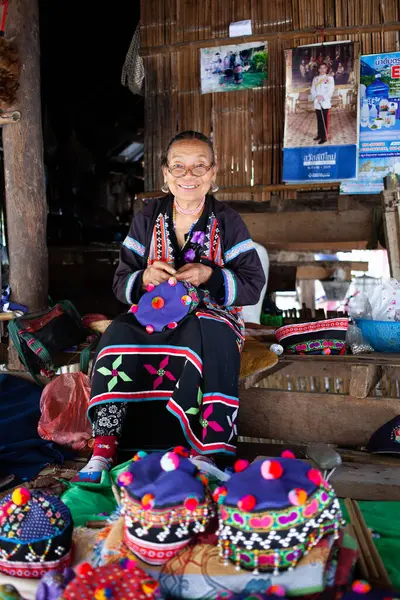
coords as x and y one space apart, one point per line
383 519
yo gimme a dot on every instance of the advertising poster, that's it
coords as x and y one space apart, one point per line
379 138
320 141
233 68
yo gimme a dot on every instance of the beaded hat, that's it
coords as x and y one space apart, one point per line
272 512
166 305
35 534
117 581
165 503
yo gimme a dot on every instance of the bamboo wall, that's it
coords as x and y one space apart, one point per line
247 125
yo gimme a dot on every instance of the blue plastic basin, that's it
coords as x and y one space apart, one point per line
383 336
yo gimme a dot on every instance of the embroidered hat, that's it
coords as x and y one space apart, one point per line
319 337
117 581
165 503
35 533
272 512
386 439
165 305
362 590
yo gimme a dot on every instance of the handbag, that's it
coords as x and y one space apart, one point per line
39 337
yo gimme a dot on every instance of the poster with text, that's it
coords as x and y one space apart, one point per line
379 138
233 68
320 141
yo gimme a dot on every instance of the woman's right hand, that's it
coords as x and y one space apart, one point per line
157 273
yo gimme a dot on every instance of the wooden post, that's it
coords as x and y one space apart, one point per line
391 220
26 209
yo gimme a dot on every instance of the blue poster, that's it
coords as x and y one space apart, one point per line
320 141
379 138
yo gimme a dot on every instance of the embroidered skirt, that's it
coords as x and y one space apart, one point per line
187 376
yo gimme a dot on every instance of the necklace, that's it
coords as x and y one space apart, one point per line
187 211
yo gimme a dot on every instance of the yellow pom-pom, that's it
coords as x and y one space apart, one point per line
21 496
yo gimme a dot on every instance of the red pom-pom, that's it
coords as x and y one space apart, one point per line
315 476
148 501
240 465
191 503
182 451
150 287
172 325
271 469
247 503
149 328
134 308
361 587
157 302
21 496
287 454
219 494
84 569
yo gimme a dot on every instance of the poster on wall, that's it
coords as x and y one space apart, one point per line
320 140
379 137
232 68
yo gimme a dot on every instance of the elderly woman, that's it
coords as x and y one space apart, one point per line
181 383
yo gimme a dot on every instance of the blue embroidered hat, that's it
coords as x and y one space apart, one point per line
165 503
386 439
35 534
273 512
165 305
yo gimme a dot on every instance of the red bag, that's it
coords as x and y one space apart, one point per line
63 405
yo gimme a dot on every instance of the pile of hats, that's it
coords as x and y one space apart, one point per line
271 512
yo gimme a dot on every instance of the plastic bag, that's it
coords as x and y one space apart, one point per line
63 405
355 341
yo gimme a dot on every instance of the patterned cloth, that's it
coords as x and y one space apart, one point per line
191 371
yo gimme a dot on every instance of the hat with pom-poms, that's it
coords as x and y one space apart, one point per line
117 581
165 305
273 512
165 503
35 534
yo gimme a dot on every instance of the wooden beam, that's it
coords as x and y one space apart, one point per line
23 166
363 379
279 229
261 37
311 273
305 418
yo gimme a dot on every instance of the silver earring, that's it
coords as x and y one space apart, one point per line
165 188
214 187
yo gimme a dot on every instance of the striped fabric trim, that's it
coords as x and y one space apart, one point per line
239 249
129 285
133 245
230 287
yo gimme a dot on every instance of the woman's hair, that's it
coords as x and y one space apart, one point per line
189 135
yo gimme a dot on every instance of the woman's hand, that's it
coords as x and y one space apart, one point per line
195 273
157 273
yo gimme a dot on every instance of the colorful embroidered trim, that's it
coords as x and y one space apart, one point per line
318 326
239 248
129 285
34 570
134 245
230 287
180 351
152 553
334 346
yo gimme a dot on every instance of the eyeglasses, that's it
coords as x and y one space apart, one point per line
196 171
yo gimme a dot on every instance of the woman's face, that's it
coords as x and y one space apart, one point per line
188 154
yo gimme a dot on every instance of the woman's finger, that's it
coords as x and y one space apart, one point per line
162 266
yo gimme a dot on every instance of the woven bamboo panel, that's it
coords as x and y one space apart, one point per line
247 126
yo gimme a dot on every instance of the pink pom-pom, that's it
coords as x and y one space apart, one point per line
315 476
271 469
157 302
240 465
150 287
172 325
361 587
191 503
172 281
247 503
327 351
149 328
134 308
288 454
125 479
276 590
170 461
297 497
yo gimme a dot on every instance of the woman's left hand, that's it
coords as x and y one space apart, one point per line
194 273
